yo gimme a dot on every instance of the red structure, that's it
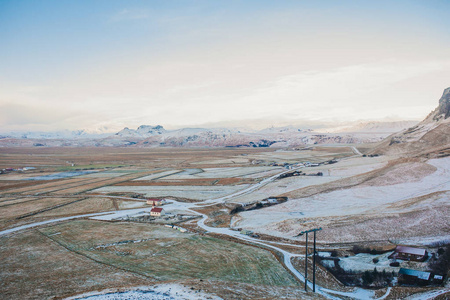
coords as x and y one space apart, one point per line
157 212
154 202
409 253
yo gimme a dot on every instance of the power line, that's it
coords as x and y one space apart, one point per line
306 257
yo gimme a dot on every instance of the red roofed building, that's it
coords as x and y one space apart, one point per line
155 202
409 253
157 212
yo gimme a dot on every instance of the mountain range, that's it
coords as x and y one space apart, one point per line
158 136
394 137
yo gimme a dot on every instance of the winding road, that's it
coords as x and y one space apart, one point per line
357 293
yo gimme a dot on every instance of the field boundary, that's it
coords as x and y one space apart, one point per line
33 213
95 260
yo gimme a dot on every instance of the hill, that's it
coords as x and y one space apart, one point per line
430 138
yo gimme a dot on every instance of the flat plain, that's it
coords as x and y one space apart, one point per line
362 201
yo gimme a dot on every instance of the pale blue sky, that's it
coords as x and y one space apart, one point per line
91 64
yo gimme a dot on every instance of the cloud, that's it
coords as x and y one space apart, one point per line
13 115
342 93
190 94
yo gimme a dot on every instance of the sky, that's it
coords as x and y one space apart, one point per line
105 64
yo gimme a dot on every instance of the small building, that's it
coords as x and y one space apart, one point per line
157 212
438 279
155 202
181 229
272 201
28 168
408 276
409 253
246 232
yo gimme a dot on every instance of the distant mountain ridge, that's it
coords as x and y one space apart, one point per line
394 137
65 134
376 127
158 136
141 131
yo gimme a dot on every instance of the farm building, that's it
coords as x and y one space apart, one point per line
157 212
246 232
408 276
155 202
181 229
272 201
28 168
409 253
438 279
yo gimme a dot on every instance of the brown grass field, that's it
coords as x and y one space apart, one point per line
153 157
177 182
77 256
35 267
63 260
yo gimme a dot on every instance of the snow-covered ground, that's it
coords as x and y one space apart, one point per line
158 175
429 295
223 172
157 292
185 191
185 174
283 186
364 262
60 175
130 204
320 205
358 200
105 175
344 168
355 169
356 293
122 213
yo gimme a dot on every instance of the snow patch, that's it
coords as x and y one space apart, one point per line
157 292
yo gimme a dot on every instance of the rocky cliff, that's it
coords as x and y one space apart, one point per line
443 110
431 137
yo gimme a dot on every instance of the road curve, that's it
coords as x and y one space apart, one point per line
358 293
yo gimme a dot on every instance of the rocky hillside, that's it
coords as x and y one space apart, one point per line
142 131
443 110
431 137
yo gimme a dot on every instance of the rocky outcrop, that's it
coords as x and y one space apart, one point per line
430 137
443 110
142 131
146 130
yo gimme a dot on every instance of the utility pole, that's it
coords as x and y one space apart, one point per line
314 264
306 257
306 263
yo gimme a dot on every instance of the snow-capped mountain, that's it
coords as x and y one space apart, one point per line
374 127
142 131
66 134
432 132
